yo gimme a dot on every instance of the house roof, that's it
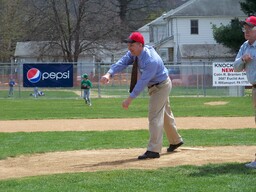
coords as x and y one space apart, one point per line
207 8
35 49
206 51
199 8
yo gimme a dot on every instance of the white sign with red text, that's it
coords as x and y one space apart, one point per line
223 74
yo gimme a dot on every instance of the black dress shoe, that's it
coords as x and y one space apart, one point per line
173 147
149 154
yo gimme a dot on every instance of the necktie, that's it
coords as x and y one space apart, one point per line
134 75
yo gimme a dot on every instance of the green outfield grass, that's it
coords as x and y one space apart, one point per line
12 109
227 177
118 90
232 177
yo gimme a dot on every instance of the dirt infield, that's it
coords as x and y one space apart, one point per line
123 124
95 160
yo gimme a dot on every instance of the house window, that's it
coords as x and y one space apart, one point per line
164 54
160 33
194 26
171 54
157 33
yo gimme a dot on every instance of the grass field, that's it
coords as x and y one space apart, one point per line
118 90
227 177
14 109
210 178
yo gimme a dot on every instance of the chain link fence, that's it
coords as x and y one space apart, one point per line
188 79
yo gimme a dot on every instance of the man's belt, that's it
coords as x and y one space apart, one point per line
158 83
153 85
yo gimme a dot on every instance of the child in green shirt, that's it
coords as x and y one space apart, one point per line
86 85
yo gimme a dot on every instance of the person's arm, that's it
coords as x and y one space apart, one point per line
105 78
120 65
127 102
90 83
149 71
239 63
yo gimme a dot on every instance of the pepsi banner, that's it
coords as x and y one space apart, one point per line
47 75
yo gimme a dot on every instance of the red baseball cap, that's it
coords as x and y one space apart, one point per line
135 37
251 21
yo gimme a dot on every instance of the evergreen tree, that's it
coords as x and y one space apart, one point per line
249 7
231 35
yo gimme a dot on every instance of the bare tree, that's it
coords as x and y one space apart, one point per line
72 25
11 29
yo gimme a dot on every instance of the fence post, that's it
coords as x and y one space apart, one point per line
99 76
20 74
204 89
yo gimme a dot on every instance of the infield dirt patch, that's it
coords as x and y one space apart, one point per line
96 160
123 124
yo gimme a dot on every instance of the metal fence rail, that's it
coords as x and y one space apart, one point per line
188 79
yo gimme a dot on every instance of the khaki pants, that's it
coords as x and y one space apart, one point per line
160 116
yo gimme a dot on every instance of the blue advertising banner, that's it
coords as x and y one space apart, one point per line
47 75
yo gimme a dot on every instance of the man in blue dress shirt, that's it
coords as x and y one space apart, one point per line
153 75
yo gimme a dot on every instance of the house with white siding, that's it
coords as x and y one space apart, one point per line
185 34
